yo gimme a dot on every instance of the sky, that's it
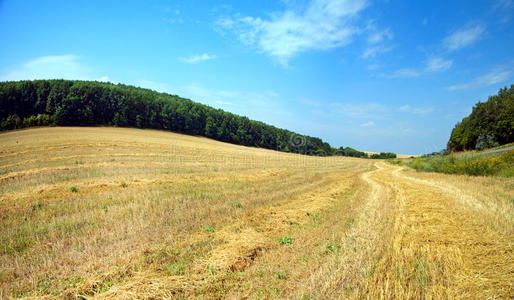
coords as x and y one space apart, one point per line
376 75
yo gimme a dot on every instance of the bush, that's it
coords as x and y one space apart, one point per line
501 164
383 155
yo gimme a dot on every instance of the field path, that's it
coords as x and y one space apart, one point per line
439 248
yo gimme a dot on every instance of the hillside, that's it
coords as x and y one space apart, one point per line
490 124
116 213
86 103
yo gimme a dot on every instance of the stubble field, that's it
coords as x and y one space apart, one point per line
128 213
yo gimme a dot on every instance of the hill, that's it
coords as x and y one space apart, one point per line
87 103
490 124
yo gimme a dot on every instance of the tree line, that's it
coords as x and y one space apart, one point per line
89 103
490 124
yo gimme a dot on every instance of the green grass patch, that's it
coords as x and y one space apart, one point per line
208 229
285 240
501 164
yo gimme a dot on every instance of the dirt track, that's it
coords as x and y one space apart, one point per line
453 254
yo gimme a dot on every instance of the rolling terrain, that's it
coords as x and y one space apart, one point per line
128 213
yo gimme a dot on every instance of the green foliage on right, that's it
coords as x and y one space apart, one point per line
468 164
490 124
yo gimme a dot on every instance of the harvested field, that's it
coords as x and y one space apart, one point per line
146 214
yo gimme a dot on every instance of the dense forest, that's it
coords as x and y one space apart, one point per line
490 124
90 103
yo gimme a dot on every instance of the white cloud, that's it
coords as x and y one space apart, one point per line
104 79
379 36
377 41
321 25
373 51
50 67
505 10
197 58
437 64
403 73
463 37
416 110
493 77
368 124
434 64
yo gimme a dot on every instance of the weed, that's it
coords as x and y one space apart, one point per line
421 272
105 208
237 204
281 275
285 240
213 270
44 285
73 189
123 184
176 269
333 247
208 229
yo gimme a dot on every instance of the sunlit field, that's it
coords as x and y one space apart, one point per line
130 213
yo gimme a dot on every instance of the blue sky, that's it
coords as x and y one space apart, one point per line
375 75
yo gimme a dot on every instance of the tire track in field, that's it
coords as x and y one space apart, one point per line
344 276
439 248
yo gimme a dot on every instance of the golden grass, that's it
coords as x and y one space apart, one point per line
162 215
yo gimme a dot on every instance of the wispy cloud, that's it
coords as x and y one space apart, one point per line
194 59
368 124
379 36
373 51
377 41
505 9
493 77
323 24
437 64
463 37
402 73
432 65
67 66
416 110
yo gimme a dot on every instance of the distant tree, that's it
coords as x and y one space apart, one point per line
490 123
72 111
